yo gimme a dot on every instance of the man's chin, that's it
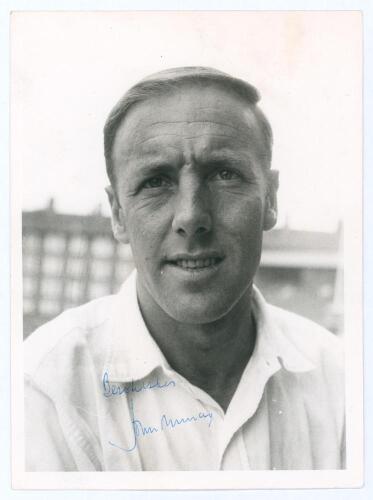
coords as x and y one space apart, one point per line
190 303
197 311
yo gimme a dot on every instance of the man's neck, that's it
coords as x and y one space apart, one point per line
211 356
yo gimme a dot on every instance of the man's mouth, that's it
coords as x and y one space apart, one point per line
195 263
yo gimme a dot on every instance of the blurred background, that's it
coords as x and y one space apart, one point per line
68 70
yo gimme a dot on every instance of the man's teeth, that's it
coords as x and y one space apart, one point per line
196 263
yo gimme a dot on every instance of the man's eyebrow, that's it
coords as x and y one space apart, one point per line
144 167
226 156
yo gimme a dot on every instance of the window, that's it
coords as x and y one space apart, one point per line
52 266
102 247
98 290
78 245
75 267
48 307
31 243
101 269
54 243
29 285
28 305
74 290
51 288
30 264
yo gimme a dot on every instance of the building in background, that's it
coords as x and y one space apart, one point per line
71 259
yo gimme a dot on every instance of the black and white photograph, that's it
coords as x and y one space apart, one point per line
186 249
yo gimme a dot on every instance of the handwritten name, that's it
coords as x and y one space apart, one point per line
140 430
113 390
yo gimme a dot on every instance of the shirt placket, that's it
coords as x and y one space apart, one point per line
234 456
245 402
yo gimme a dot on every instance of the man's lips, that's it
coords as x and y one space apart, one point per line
195 261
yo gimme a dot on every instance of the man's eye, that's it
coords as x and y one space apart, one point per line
156 182
225 175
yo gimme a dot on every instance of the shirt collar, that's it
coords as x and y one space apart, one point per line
133 353
272 344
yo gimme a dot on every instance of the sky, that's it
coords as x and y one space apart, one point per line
68 70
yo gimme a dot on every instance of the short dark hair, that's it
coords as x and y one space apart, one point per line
173 79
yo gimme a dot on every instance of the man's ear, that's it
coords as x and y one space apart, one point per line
117 217
270 214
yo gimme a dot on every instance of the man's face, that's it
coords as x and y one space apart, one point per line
192 191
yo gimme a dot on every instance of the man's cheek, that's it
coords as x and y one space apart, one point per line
148 202
239 211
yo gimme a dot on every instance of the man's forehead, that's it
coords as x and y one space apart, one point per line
206 133
190 113
195 102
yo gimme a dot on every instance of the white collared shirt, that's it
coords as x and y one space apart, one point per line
100 395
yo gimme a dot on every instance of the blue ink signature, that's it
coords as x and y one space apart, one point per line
111 389
141 430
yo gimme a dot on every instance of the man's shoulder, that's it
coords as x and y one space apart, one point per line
313 340
72 331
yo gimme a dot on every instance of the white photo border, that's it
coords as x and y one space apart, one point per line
11 222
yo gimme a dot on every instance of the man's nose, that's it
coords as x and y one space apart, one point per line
192 211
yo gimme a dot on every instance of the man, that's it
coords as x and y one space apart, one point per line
187 368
